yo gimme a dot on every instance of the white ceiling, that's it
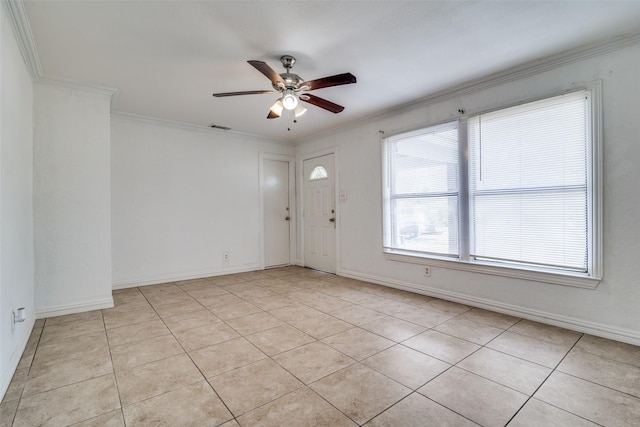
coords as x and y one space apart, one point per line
166 58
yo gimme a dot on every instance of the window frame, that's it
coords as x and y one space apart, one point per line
588 280
387 183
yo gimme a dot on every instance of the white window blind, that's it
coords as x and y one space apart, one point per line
421 191
528 184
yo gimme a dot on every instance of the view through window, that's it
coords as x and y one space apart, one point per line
422 198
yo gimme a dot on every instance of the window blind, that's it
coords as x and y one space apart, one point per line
528 183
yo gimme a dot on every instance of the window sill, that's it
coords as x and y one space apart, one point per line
574 280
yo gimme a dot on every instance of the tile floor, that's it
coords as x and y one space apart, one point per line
296 347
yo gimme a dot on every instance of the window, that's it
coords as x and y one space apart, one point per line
422 181
528 175
528 200
318 172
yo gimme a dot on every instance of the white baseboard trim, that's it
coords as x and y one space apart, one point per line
61 310
598 329
175 277
12 364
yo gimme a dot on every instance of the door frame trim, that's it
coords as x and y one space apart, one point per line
308 156
291 161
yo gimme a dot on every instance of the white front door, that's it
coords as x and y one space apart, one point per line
320 213
276 212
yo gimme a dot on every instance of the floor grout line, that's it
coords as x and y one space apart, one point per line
331 291
545 380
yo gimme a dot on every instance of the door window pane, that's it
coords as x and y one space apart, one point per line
319 172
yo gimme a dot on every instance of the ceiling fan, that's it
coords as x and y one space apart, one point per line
290 85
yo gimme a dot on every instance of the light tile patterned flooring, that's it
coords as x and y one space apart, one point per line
296 347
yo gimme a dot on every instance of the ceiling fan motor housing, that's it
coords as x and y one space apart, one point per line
291 80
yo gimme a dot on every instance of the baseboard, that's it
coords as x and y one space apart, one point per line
579 325
14 360
60 310
174 277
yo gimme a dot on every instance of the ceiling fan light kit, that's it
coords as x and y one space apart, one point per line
289 85
276 109
289 99
300 110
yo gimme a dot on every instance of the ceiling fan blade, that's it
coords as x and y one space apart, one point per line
248 92
322 103
265 69
337 80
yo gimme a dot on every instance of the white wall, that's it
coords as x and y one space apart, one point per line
181 196
611 309
16 202
72 199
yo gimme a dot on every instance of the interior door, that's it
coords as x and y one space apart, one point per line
276 213
320 213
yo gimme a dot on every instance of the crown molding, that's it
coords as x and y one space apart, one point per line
22 29
193 127
24 37
98 90
17 16
534 67
517 72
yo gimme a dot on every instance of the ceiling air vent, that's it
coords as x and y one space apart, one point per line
213 126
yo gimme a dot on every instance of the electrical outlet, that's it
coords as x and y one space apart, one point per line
427 271
225 256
